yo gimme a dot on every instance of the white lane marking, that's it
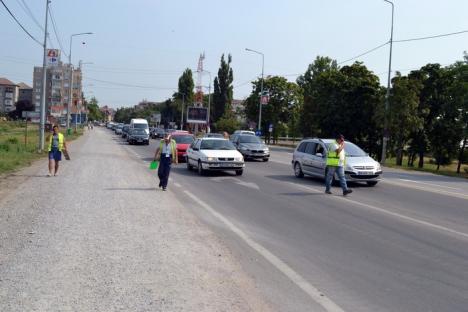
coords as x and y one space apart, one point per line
394 214
177 184
459 195
237 181
302 283
432 184
281 162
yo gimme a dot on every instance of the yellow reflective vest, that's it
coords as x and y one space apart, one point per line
61 140
173 148
333 158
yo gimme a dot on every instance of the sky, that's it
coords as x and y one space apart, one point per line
139 48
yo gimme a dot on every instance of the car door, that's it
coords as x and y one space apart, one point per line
319 159
191 153
308 160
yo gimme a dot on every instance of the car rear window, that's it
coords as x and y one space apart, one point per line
140 126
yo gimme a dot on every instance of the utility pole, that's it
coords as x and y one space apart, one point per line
261 89
182 112
44 81
387 95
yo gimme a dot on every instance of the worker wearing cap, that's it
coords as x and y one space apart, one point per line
335 163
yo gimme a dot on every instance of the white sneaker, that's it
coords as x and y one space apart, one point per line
49 174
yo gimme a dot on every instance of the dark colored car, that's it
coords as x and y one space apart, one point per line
157 133
138 136
125 130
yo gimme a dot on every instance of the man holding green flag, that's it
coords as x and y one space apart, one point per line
166 153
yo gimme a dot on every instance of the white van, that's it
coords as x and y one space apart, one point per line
138 123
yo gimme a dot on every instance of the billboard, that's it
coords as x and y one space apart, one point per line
197 115
53 57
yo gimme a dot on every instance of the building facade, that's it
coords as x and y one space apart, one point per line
58 89
25 92
8 95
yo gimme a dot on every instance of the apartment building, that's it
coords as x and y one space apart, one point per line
57 88
8 95
25 92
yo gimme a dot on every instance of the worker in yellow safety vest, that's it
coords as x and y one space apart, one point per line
56 145
335 163
166 153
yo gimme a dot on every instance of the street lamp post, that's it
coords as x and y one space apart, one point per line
81 63
44 80
208 128
261 89
70 95
387 95
182 112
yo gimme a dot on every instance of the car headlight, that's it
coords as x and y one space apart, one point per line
210 158
239 159
378 167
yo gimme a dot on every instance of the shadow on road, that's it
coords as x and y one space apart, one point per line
130 189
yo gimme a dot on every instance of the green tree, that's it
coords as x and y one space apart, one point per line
403 112
460 92
285 98
94 111
21 106
309 122
223 89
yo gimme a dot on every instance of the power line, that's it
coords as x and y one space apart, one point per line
432 37
54 26
367 52
28 12
129 85
16 20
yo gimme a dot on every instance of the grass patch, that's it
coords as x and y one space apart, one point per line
449 170
15 151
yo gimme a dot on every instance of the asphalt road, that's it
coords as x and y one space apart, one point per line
399 246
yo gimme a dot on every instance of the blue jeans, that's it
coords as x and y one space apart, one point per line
329 178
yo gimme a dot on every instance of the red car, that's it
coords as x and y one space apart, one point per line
183 140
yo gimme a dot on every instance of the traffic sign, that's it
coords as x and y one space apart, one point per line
270 128
258 133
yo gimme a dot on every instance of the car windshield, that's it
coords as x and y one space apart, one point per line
353 150
249 139
138 131
217 145
183 139
140 126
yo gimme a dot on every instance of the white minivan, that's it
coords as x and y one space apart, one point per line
139 123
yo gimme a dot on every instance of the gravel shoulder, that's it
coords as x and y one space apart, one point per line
102 237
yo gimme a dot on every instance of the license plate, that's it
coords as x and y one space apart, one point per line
140 140
365 173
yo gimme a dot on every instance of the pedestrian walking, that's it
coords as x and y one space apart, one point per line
56 145
166 153
335 163
226 135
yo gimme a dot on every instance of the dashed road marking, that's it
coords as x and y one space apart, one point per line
279 264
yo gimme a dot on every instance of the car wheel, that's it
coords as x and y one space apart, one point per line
200 168
265 159
372 183
147 143
239 172
189 166
298 170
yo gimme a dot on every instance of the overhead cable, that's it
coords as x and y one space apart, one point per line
22 27
54 26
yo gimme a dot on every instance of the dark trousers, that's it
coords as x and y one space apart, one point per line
164 170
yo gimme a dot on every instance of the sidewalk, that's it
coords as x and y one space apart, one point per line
102 237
